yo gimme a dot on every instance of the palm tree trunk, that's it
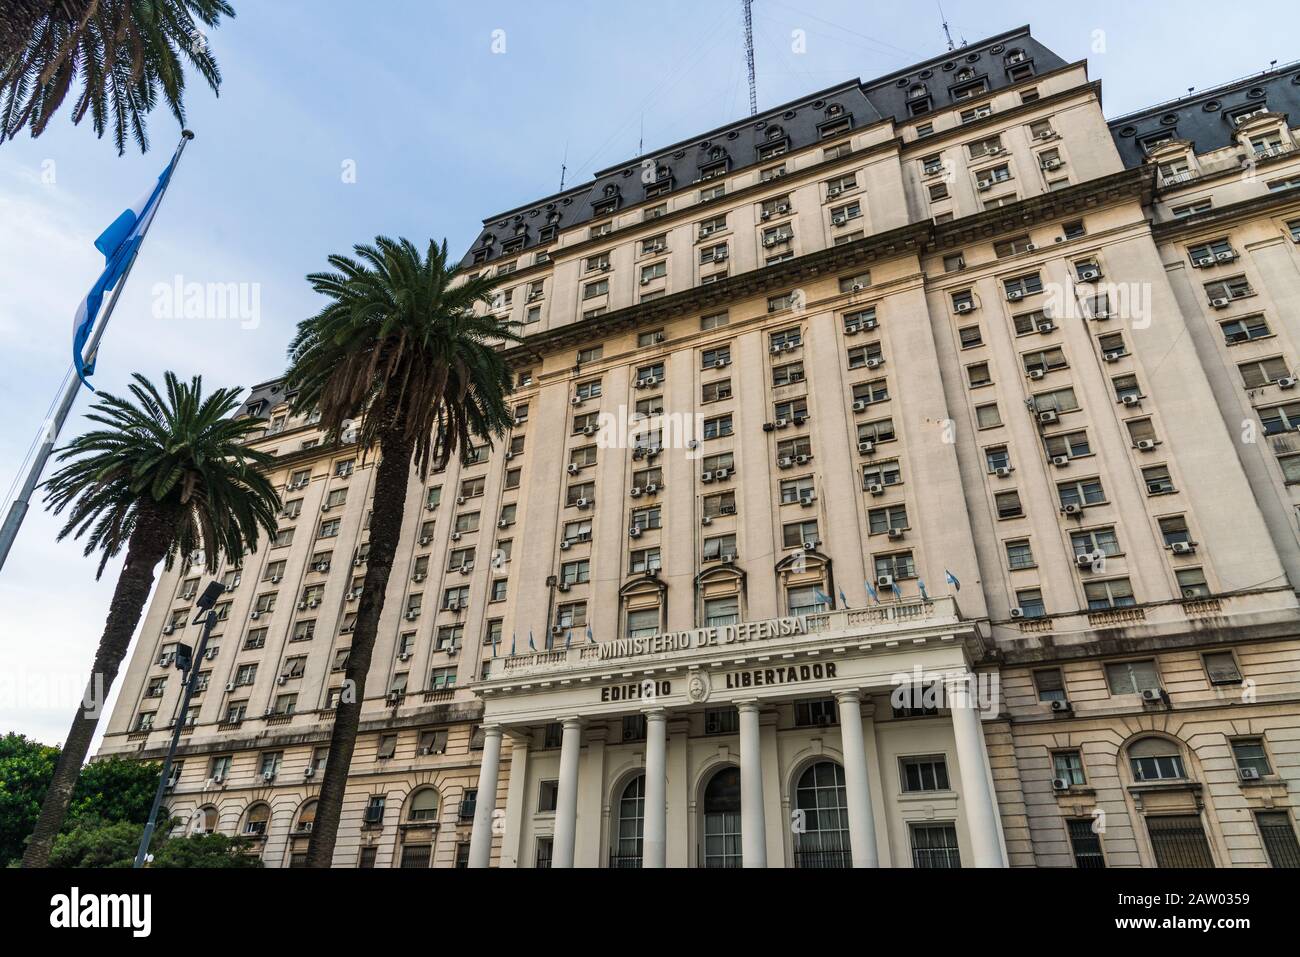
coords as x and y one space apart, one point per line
392 477
148 546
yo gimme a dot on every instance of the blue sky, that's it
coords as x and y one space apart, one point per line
442 132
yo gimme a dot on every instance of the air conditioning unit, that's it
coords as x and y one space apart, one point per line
1060 784
308 772
1074 508
859 406
1182 548
1045 135
1015 295
582 503
302 606
706 521
1046 327
802 459
466 568
1052 164
589 430
1048 416
720 363
780 423
964 306
652 489
167 629
455 536
885 581
1113 356
866 447
1003 471
1089 275
503 524
1017 613
424 539
230 686
722 474
784 462
1060 461
895 534
807 500
876 488
839 220
1248 774
275 579
1220 303
282 679
1061 705
218 779
1131 399
412 615
1152 695
563 586
255 615
635 491
984 185
1036 373
1286 382
706 477
1225 257
1087 559
874 363
1145 445
565 544
634 531
418 577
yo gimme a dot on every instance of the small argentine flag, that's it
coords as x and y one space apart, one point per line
823 598
531 645
568 638
871 591
591 639
952 579
921 584
119 244
897 593
496 642
843 600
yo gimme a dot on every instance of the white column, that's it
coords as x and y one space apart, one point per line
480 840
753 831
857 782
654 852
566 801
972 761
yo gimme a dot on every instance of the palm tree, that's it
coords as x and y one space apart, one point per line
163 477
400 349
125 52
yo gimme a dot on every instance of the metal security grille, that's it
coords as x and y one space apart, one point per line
416 855
935 846
1086 845
1179 841
822 859
1279 839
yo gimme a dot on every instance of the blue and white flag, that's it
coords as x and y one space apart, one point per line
591 639
568 638
921 584
118 243
872 593
496 642
952 579
897 593
512 644
843 600
823 598
531 646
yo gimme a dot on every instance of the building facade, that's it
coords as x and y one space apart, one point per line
902 477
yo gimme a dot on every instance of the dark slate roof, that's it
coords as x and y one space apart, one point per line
799 123
1205 118
262 399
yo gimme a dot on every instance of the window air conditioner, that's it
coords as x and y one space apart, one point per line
1088 275
230 686
1220 303
859 406
876 488
1086 559
1060 461
1046 327
866 447
1131 399
1017 613
1145 445
722 474
784 462
1014 295
885 581
1152 695
634 531
875 362
719 363
582 503
706 476
1182 548
1286 382
1060 784
565 544
965 306
1061 705
895 534
1003 471
1113 356
706 520
1036 373
1074 508
1048 416
455 536
1248 774
168 629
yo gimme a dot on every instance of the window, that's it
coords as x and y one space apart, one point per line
1115 593
1250 756
1080 493
924 773
1067 766
1030 603
721 611
1224 291
642 622
1278 835
1021 286
1221 668
987 416
1245 329
978 375
934 846
1050 684
1008 504
970 337
1085 843
1131 677
1019 555
1158 481
804 601
1039 363
1261 372
1155 759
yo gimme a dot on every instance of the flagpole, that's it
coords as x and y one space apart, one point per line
53 426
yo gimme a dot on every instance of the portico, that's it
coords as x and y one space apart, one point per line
783 743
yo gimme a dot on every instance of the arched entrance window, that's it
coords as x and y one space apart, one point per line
722 819
822 822
306 817
256 821
631 825
423 807
205 820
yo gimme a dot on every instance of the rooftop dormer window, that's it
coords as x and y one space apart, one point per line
1239 116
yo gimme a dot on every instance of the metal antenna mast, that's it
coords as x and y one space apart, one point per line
749 55
946 32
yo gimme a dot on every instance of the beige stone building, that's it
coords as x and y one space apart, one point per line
904 476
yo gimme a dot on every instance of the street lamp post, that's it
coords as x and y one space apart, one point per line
189 665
